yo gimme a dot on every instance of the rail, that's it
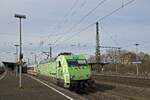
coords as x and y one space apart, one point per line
124 76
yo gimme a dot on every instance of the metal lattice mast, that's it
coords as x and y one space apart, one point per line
97 53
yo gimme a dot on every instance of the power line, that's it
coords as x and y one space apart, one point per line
66 15
82 4
76 33
73 6
114 11
83 18
100 19
116 43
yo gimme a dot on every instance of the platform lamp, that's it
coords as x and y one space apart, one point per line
21 54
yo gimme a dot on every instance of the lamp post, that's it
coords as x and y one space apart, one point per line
21 54
16 45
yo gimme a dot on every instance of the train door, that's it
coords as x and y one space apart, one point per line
59 74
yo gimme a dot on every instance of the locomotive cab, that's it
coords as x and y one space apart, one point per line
74 70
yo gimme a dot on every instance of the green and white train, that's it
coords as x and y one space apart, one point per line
68 70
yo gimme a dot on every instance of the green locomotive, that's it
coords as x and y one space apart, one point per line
68 70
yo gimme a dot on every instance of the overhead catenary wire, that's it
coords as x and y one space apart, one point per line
82 19
86 15
122 6
116 43
69 12
65 17
98 19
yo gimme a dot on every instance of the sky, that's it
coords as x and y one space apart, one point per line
52 22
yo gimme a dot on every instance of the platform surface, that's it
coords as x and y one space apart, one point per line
31 89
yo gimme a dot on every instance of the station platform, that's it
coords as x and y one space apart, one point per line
31 89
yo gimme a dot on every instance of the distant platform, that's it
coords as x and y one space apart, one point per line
9 64
12 66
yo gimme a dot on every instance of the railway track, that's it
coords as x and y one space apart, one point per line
100 92
125 76
107 91
2 70
111 91
129 88
131 81
127 91
82 95
2 75
50 82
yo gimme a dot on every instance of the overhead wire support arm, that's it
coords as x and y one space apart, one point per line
110 47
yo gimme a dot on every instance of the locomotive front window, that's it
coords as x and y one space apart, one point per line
76 63
82 62
72 63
